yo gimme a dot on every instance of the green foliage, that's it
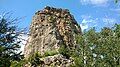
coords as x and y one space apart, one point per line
98 49
9 44
4 62
35 59
50 53
64 51
18 64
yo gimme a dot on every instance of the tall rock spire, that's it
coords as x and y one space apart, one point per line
51 28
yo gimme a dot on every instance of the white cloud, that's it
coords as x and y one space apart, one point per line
1 17
99 2
109 22
23 38
84 26
95 2
85 1
88 22
85 16
116 10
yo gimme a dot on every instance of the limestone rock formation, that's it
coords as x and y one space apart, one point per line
56 60
51 28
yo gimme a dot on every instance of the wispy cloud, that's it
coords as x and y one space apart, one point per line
116 10
109 21
99 2
88 22
0 17
84 24
95 2
23 38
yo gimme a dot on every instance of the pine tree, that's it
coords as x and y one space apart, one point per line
9 43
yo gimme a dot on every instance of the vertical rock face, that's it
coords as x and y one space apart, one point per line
51 28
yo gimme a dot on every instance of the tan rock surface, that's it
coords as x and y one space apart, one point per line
50 28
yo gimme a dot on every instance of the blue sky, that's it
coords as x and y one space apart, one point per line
88 13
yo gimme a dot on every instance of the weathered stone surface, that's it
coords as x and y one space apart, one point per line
57 60
54 61
50 28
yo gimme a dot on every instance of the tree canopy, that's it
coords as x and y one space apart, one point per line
99 49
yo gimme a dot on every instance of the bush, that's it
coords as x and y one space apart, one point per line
35 59
64 51
50 53
18 64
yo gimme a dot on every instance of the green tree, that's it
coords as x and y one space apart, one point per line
9 43
99 49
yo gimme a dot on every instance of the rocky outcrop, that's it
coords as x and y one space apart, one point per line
56 60
51 28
